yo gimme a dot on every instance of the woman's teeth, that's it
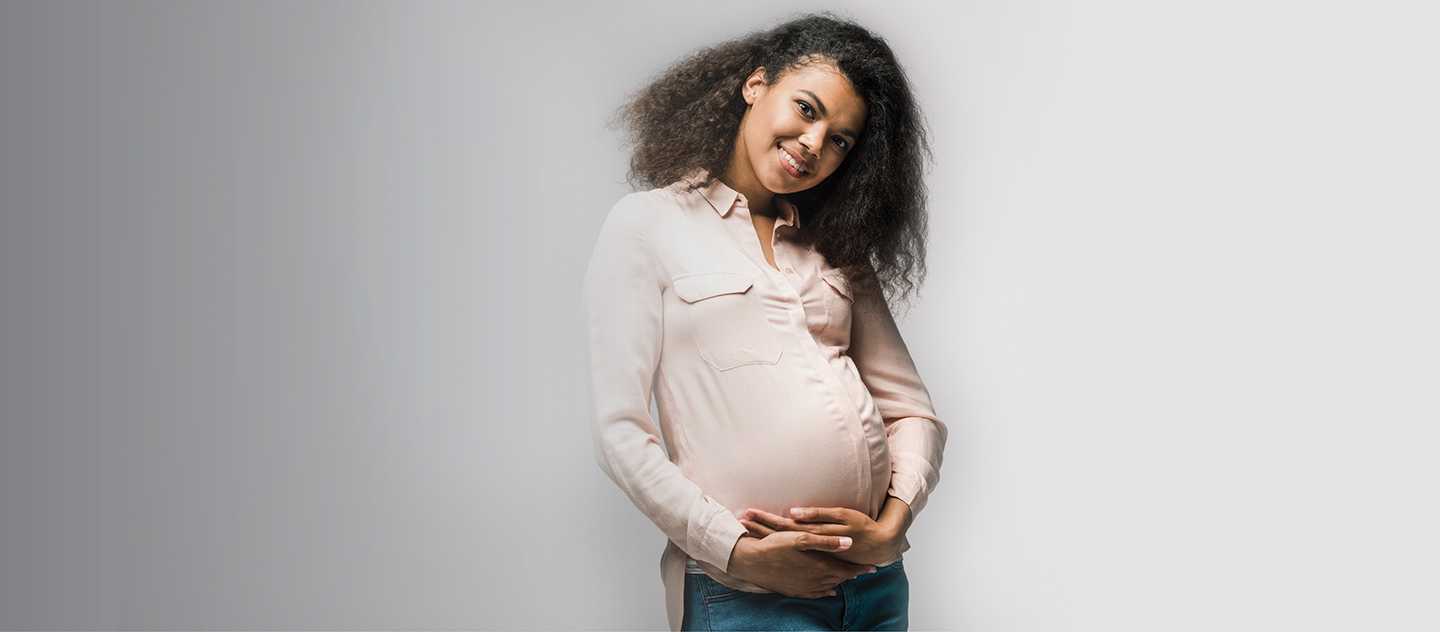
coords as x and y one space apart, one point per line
791 159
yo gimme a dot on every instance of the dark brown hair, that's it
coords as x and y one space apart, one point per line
869 217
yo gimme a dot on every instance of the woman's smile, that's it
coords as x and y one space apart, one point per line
792 166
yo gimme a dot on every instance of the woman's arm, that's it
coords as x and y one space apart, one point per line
916 436
623 318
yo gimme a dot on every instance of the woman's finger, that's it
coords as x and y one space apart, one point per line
779 523
775 522
771 520
785 524
836 515
756 529
811 542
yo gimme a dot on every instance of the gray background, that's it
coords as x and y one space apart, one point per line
289 327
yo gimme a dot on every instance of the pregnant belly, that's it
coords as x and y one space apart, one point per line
776 453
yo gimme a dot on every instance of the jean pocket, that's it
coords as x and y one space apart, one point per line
716 592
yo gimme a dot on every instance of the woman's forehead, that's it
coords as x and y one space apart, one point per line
831 86
823 72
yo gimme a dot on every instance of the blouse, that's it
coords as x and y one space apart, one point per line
774 388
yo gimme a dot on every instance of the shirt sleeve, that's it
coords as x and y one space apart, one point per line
915 435
624 320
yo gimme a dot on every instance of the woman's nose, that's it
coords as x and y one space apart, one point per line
808 142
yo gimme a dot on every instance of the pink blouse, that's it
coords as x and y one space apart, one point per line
775 388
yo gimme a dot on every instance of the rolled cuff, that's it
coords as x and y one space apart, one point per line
910 481
712 540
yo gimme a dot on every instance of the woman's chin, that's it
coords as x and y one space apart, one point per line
785 184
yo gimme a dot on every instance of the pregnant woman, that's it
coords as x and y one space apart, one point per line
745 291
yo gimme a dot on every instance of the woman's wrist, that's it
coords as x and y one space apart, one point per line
895 521
740 556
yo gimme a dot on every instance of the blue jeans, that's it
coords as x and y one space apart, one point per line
877 601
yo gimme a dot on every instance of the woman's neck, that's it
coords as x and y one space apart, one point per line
740 176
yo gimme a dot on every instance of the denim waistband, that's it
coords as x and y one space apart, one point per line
693 568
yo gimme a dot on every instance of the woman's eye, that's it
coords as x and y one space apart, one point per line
841 142
804 108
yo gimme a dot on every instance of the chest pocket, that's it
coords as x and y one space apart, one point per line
727 323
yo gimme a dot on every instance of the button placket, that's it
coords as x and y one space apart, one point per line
786 274
756 254
779 277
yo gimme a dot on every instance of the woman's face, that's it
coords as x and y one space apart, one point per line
799 129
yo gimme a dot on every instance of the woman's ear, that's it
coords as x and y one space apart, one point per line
755 86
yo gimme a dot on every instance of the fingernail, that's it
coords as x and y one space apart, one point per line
845 542
797 512
872 570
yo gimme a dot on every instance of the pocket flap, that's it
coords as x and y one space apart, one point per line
703 285
837 280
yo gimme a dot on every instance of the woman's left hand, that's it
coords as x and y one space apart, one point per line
872 542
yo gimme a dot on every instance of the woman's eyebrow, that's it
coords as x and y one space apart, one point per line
824 112
818 103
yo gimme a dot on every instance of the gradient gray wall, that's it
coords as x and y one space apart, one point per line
289 328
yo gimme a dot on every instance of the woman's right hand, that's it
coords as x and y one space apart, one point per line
794 563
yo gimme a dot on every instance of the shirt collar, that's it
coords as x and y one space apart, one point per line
722 198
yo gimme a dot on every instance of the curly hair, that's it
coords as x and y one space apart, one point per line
868 218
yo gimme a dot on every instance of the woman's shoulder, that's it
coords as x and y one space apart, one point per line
646 213
639 205
647 203
632 212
